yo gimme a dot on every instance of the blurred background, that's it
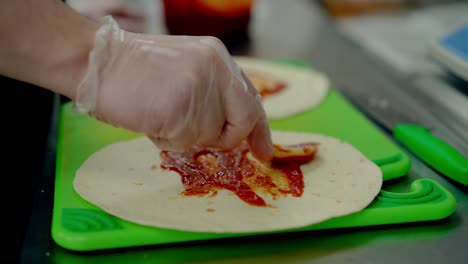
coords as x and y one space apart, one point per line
398 31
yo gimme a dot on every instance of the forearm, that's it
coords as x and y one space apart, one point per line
45 43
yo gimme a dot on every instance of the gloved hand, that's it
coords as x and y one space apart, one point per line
178 90
127 16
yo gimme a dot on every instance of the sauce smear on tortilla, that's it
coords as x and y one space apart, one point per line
265 84
205 171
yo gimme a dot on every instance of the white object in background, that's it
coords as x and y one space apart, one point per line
451 51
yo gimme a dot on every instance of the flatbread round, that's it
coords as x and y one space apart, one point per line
305 87
125 180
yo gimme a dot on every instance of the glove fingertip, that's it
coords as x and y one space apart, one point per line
260 142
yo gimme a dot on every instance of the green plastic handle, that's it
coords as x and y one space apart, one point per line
434 151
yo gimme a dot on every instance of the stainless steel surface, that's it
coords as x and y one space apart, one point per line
446 100
387 110
448 96
297 29
390 108
400 40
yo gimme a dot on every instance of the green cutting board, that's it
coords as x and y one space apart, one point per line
78 225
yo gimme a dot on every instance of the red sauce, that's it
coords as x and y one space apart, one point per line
270 90
265 84
298 153
204 171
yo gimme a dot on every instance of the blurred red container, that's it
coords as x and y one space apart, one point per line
219 18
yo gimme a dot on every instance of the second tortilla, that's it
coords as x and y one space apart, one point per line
305 88
125 179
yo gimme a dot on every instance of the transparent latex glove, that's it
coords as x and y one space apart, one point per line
178 90
127 16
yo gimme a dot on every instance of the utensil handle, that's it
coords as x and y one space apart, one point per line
434 151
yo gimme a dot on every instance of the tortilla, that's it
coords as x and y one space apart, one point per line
305 87
125 179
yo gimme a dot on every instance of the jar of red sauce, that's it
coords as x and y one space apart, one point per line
219 18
